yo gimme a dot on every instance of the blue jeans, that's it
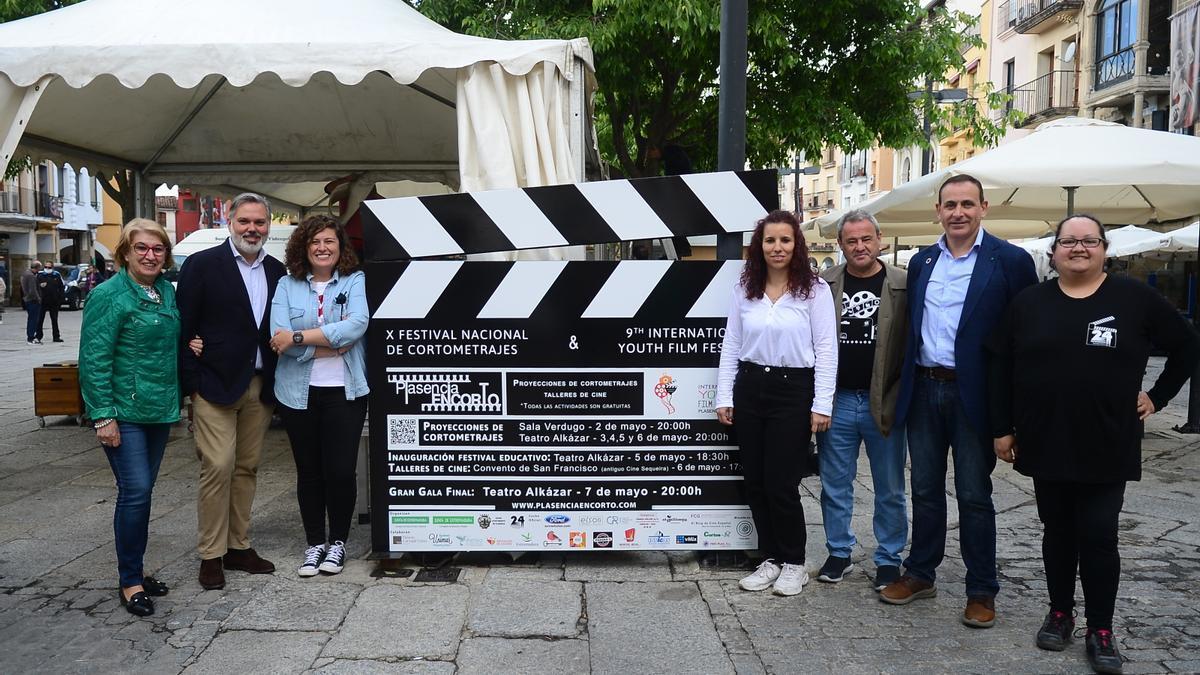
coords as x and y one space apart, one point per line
937 422
135 465
33 321
851 426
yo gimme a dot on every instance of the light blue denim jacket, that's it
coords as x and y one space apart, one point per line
295 308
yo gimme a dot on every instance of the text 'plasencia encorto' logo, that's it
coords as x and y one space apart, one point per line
665 389
447 393
706 399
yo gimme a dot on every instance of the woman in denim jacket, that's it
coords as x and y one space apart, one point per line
318 320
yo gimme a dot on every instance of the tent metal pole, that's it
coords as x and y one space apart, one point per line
437 97
1071 200
272 198
183 125
578 129
35 142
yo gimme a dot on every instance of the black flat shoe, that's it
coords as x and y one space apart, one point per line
154 587
138 605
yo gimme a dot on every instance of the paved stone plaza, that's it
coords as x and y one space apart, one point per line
593 612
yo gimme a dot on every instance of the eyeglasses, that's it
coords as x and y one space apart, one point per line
143 250
1088 242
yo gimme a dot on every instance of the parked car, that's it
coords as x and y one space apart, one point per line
199 240
74 295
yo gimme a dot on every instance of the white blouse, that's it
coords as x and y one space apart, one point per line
792 332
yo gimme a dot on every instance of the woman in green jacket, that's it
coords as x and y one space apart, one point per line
127 370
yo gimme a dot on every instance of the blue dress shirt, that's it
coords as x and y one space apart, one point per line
944 298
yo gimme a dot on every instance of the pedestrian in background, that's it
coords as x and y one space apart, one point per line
319 317
52 291
775 386
127 355
1068 410
224 294
958 289
3 295
31 298
872 310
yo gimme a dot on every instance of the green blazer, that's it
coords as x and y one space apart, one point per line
128 351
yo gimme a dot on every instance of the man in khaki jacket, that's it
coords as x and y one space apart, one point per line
872 311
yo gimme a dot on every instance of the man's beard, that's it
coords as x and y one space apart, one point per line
246 248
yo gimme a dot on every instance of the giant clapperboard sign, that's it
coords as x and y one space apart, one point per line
553 405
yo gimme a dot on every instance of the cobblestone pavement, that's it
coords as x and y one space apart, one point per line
604 613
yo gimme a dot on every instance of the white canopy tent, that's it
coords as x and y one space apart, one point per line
1133 240
1117 173
291 92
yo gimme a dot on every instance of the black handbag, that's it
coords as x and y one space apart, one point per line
811 461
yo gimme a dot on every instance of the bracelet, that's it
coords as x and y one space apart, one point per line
102 423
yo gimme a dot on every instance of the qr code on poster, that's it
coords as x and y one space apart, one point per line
402 432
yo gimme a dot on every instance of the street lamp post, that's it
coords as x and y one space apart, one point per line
731 106
931 96
798 190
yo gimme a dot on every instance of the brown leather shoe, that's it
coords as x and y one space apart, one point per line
211 576
980 611
247 560
906 589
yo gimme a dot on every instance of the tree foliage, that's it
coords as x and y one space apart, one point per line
820 72
11 10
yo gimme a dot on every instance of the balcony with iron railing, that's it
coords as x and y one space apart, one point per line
852 170
822 199
1037 16
968 32
1055 94
30 203
1114 68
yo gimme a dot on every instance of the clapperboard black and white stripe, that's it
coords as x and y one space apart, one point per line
567 215
518 290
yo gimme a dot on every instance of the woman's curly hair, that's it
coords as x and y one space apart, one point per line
296 254
801 276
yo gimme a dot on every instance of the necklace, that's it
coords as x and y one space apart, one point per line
150 292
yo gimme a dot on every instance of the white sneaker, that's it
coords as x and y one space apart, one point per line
762 578
335 558
312 561
791 579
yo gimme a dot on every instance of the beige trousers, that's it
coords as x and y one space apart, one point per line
229 441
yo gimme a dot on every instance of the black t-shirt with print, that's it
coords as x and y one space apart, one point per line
858 330
1075 366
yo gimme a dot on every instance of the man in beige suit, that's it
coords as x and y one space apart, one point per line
871 302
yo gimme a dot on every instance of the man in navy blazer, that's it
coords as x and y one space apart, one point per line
224 297
957 290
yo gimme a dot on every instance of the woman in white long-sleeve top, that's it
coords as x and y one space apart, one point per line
318 318
778 369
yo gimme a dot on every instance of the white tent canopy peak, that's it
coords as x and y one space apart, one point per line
293 39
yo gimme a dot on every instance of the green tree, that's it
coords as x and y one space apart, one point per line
820 72
19 9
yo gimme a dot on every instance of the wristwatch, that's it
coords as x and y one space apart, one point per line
298 338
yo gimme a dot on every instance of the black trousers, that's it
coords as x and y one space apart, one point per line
771 417
50 309
1079 522
324 442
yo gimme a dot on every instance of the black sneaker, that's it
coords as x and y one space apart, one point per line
1102 652
1055 633
885 575
835 569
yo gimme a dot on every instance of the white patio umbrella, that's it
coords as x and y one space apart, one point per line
1119 174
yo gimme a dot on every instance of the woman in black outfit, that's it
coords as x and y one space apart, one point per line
778 367
1068 411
